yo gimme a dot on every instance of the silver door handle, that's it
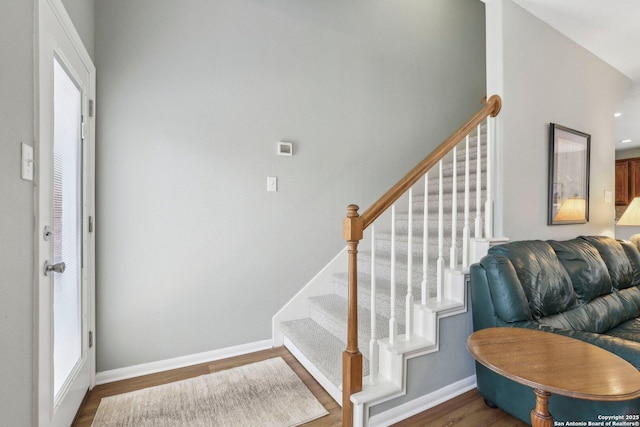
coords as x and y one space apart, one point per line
58 268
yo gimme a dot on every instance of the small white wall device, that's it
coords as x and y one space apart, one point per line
285 148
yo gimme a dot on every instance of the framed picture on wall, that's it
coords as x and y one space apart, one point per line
569 152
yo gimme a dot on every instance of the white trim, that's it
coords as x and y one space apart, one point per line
422 403
180 362
327 385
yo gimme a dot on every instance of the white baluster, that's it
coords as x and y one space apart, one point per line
465 229
393 323
453 252
488 206
440 262
425 241
478 221
373 342
409 309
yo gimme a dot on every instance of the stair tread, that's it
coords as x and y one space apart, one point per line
335 307
383 298
383 285
384 257
320 347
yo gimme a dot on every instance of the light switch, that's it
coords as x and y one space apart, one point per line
272 183
608 197
27 162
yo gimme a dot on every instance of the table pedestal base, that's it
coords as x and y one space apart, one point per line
540 416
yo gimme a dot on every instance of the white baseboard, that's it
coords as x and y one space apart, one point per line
180 362
422 403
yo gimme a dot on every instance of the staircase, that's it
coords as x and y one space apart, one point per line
399 303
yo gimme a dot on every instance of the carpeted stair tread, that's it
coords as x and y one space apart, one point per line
447 168
383 298
383 285
320 347
447 196
402 211
383 257
330 312
383 243
383 267
447 185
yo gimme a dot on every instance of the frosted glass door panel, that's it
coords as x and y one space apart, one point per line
67 226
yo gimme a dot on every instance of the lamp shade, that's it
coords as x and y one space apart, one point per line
572 209
632 215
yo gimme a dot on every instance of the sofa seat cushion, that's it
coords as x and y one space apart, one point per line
630 297
629 330
597 316
545 281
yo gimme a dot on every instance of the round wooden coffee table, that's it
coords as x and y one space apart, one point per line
552 363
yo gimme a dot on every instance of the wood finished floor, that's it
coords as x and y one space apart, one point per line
468 409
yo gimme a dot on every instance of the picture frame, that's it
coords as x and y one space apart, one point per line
569 160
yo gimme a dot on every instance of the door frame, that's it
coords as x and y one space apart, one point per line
43 326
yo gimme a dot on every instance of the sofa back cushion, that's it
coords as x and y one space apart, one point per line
634 258
614 256
597 316
545 281
585 266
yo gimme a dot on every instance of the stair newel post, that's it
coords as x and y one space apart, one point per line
351 358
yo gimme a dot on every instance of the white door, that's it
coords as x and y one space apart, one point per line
65 203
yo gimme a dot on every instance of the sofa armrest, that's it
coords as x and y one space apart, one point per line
483 311
626 349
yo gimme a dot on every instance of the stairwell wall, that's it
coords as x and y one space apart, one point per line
544 77
193 254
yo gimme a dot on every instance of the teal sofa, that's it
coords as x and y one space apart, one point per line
586 288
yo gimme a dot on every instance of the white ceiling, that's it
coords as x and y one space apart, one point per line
610 29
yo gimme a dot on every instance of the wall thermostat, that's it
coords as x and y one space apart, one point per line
285 148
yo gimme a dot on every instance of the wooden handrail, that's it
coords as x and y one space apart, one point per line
491 108
353 230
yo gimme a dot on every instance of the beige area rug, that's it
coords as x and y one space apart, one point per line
266 393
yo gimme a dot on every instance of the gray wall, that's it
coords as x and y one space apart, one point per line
434 371
193 253
545 77
16 214
81 13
